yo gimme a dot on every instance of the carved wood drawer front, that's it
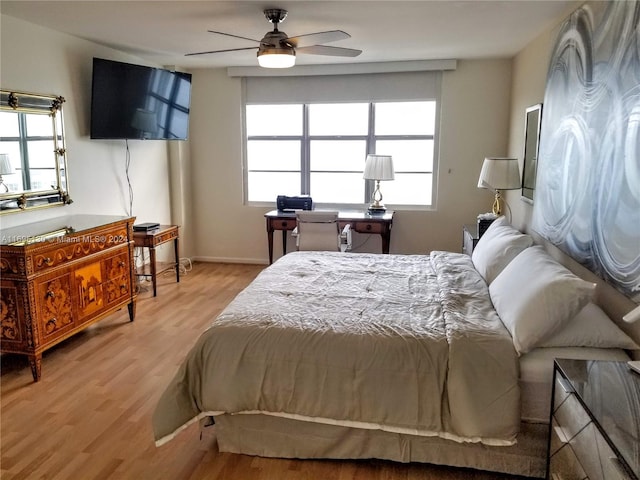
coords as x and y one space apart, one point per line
118 274
165 237
57 252
368 227
55 305
10 312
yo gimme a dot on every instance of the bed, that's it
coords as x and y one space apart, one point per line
399 357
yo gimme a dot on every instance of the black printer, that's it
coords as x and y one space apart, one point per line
285 203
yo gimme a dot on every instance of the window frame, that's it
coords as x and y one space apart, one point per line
370 140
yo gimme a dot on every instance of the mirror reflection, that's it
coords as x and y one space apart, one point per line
533 117
32 152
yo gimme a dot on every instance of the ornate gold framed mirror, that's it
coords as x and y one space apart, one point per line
33 156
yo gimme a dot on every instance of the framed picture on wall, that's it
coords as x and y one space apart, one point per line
532 121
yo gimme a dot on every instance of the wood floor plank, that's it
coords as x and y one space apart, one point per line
89 418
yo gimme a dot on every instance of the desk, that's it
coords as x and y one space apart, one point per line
360 221
151 239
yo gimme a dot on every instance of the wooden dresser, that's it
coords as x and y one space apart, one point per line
59 276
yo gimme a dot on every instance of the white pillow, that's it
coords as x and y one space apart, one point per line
499 245
591 327
535 297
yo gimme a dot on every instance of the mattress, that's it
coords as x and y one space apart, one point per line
536 376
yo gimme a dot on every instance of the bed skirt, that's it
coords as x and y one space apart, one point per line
269 436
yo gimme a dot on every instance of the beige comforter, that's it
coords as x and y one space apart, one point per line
404 343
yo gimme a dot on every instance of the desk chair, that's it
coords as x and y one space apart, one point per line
319 230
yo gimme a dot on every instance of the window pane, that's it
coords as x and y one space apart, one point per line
9 124
13 150
42 179
39 125
338 155
184 93
405 118
274 120
13 182
337 187
273 155
338 119
408 189
178 121
41 154
408 155
266 186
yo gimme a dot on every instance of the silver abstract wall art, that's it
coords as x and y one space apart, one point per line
587 197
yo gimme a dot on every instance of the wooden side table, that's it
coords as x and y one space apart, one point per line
151 239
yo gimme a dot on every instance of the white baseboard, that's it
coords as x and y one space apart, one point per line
252 261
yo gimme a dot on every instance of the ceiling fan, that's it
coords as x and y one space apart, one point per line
277 50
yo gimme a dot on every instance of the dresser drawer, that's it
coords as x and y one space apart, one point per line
564 465
597 458
165 237
368 227
118 265
55 304
283 223
59 252
570 417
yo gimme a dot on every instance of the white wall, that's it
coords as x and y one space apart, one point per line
39 60
474 124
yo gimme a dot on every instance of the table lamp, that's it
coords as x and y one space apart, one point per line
5 169
499 174
378 168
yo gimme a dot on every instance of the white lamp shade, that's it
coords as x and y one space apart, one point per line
499 174
274 57
378 167
5 164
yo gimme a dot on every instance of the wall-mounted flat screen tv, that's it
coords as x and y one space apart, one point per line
137 102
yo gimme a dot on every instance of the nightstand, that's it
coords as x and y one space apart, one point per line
595 421
469 238
151 239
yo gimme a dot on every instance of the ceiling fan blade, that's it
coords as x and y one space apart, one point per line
331 51
220 51
317 38
235 36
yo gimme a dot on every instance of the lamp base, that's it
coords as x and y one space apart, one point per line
376 204
377 208
497 208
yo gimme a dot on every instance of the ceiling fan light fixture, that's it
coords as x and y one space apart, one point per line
275 57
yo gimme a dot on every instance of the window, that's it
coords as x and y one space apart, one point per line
319 149
29 137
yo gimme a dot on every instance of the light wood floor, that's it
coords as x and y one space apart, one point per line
90 415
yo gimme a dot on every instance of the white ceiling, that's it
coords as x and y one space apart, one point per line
163 31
